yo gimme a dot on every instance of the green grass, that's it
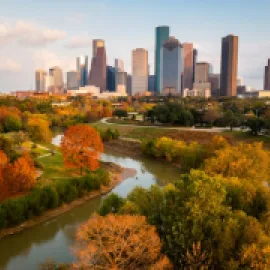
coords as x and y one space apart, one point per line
54 169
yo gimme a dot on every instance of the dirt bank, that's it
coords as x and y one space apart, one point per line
118 175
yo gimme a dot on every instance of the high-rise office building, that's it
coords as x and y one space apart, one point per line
121 79
229 65
82 69
98 72
110 78
119 73
129 84
171 68
214 80
267 76
188 66
151 83
195 58
57 74
139 71
162 35
40 80
72 80
202 83
49 83
97 43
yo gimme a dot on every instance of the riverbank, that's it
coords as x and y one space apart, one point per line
118 175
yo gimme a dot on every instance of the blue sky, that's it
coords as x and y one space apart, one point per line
39 34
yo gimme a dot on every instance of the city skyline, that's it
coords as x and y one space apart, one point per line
29 40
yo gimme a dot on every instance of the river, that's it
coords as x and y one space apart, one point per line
53 239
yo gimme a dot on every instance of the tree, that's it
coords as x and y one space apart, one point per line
38 129
20 137
120 113
211 115
245 161
3 186
230 119
21 175
81 147
12 123
255 125
117 242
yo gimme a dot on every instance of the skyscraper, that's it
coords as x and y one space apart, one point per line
195 58
72 80
139 71
151 83
97 43
110 78
188 66
40 80
171 58
129 84
202 83
82 69
98 73
267 76
57 74
229 65
162 35
119 73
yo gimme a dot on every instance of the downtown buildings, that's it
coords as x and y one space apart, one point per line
40 80
139 71
229 66
162 35
82 69
171 67
267 76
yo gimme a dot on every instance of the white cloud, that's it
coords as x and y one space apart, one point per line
29 34
10 65
79 42
46 59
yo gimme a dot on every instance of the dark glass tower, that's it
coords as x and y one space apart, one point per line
229 66
162 35
195 57
111 78
98 73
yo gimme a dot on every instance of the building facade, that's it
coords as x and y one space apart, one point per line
40 77
49 84
57 74
121 79
195 59
202 82
139 71
188 66
171 57
72 80
162 35
129 84
82 69
214 80
119 73
151 83
229 66
97 43
267 76
110 78
98 72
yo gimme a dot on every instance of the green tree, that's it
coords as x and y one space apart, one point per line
12 123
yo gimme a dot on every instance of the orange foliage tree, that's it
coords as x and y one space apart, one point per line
3 186
81 147
21 175
118 242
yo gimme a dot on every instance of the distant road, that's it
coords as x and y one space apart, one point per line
210 130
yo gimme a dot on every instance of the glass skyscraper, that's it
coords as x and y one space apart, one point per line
162 35
82 69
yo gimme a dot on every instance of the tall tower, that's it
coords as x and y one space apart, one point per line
98 72
57 74
97 43
82 69
40 80
267 77
139 71
188 66
72 80
171 68
162 35
195 58
229 66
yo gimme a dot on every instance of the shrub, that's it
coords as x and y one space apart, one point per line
111 204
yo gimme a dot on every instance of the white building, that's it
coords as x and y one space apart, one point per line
72 80
139 71
204 93
49 83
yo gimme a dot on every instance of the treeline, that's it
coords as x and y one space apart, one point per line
17 210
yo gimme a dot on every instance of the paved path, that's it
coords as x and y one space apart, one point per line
210 130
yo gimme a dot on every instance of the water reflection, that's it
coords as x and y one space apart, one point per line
53 238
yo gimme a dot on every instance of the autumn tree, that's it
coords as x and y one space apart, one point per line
81 147
20 176
118 242
3 186
245 161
